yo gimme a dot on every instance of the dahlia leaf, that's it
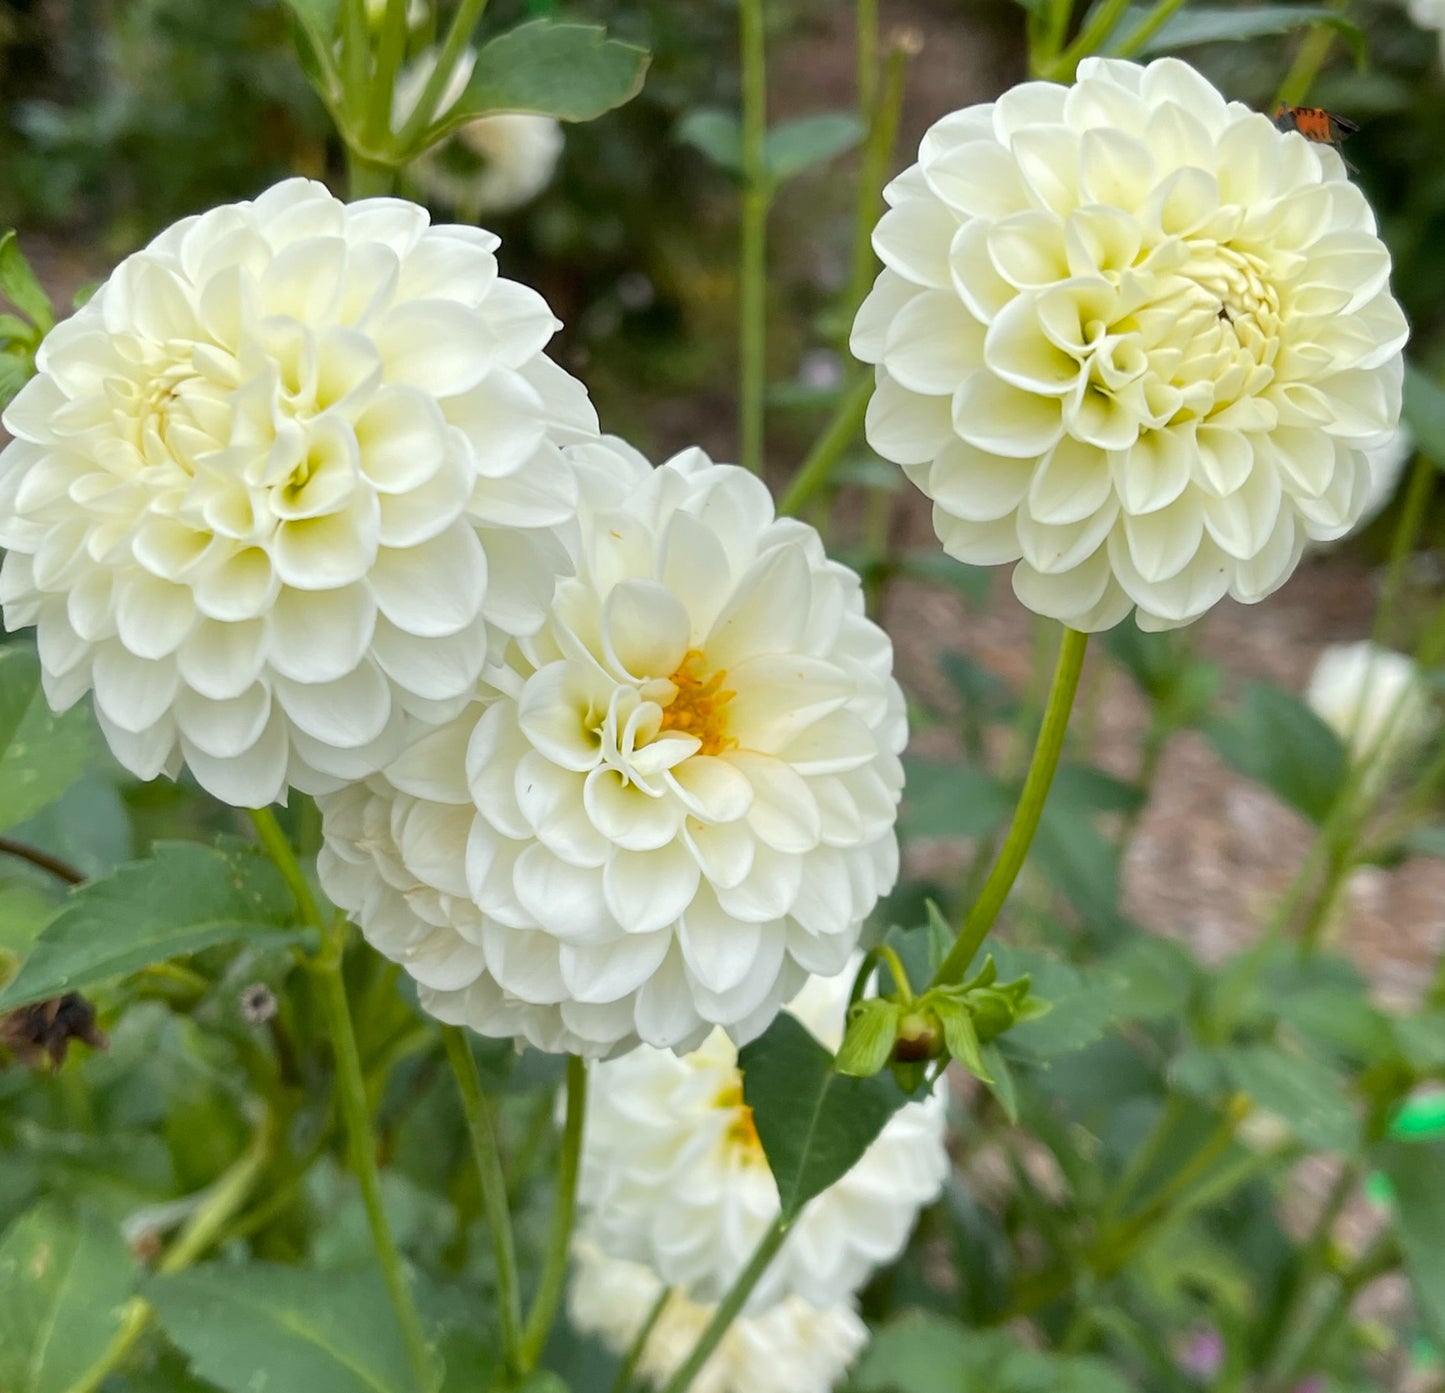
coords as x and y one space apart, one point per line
64 1281
282 1327
41 753
1231 24
184 898
21 286
718 134
814 1123
571 71
798 145
1414 1171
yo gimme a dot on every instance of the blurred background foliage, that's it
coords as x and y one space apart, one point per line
1187 1174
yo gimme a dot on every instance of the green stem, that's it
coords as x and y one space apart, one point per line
559 1240
355 56
882 116
1418 489
752 266
494 1187
464 23
815 471
389 54
638 1347
1100 25
865 42
1170 1116
274 843
1153 22
1306 66
729 1307
901 984
351 1087
367 178
42 860
1026 816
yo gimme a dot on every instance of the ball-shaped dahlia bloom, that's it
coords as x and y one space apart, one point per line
274 484
674 1176
667 806
1374 699
791 1347
1133 338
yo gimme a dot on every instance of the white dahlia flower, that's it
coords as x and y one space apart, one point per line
1374 699
667 806
790 1348
273 484
491 165
1133 338
674 1177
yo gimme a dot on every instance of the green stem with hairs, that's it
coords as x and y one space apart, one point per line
727 1310
559 1240
1026 817
752 263
493 1182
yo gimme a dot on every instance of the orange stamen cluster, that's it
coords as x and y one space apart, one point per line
700 706
742 1132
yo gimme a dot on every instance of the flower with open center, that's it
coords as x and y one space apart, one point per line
667 806
276 482
674 1176
1134 338
791 1347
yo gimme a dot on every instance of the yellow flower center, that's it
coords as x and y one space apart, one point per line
700 706
742 1133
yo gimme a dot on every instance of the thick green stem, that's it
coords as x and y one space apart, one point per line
729 1307
1306 66
752 265
815 471
494 1187
882 117
1026 816
865 43
638 1347
367 178
1100 25
464 23
356 1115
274 843
355 58
389 53
559 1240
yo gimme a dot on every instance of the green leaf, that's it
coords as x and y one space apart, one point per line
63 1282
944 799
1080 788
20 286
960 1035
1426 841
1081 1003
1155 978
315 32
23 912
269 1326
1234 24
813 1122
872 1029
15 372
982 691
1414 1170
1275 738
184 898
936 567
41 754
571 71
797 145
1423 411
1080 863
1001 1082
717 134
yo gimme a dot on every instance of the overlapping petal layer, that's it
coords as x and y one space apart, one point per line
667 806
674 1177
276 482
1133 339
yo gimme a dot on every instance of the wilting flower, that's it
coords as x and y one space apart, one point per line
490 165
1374 699
666 807
273 484
790 1348
674 1177
1133 338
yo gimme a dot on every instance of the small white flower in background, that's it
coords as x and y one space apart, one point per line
674 1177
1374 699
275 482
1133 338
491 165
790 1348
668 806
1430 14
